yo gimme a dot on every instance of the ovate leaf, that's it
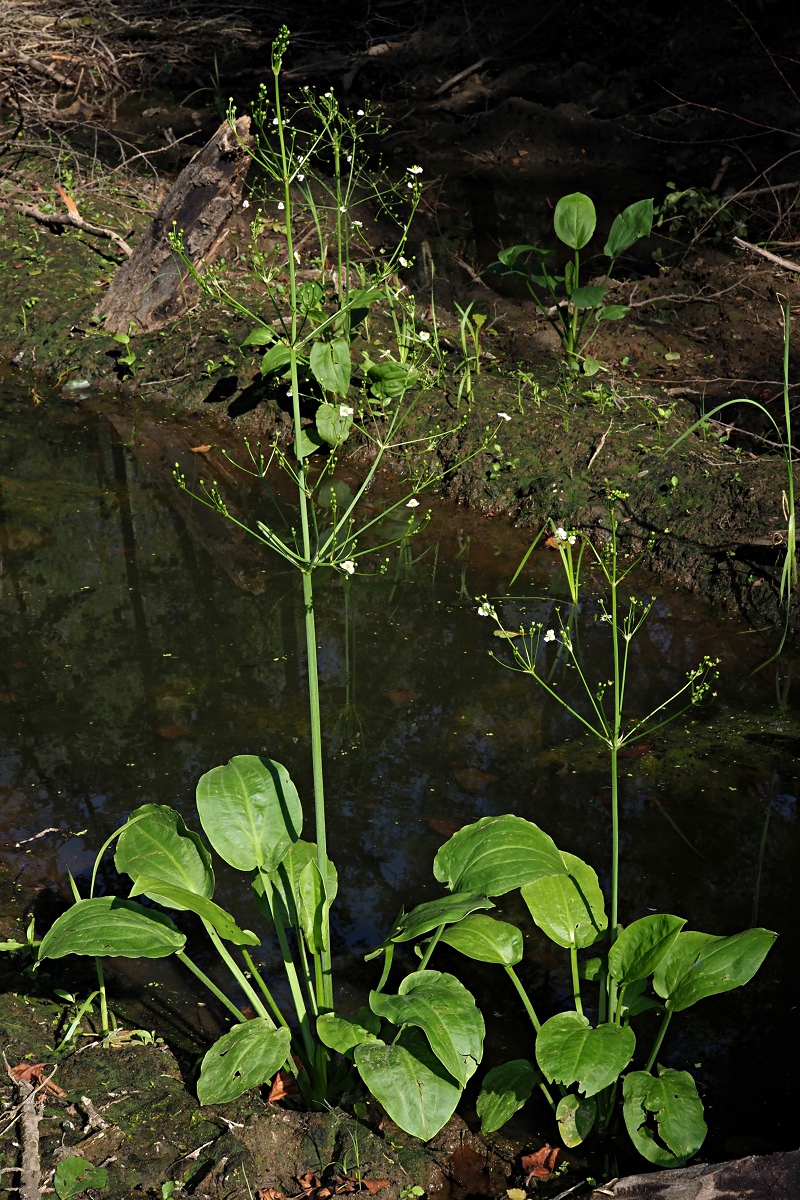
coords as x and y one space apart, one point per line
434 913
570 1051
334 424
330 366
339 1034
180 898
250 811
576 1116
641 947
276 359
496 855
587 297
612 312
663 1115
486 939
574 220
313 907
156 842
245 1057
445 1011
410 1082
260 336
569 908
633 223
114 928
700 965
284 883
75 1175
504 1091
389 379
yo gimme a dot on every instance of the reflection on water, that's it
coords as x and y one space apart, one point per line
131 662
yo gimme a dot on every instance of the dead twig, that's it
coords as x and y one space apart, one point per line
70 218
600 445
773 258
30 1113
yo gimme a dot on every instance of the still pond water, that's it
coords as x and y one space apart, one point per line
136 653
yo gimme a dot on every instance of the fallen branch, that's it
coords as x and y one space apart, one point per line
30 1170
773 258
70 218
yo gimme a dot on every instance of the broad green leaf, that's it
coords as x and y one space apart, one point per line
310 441
700 965
330 366
591 365
507 258
574 220
334 422
641 946
339 1034
569 1051
250 811
671 1103
635 1001
276 359
113 928
180 898
158 844
358 304
260 336
496 855
633 223
75 1175
245 1057
313 907
612 312
445 1011
588 297
434 913
389 379
576 1116
284 882
410 1082
590 969
569 908
504 1091
486 940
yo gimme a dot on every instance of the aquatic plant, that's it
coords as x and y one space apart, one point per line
586 1052
249 809
579 306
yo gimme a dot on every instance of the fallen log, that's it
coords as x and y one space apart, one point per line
153 288
755 1178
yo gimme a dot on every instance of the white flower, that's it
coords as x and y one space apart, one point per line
274 120
606 617
348 565
342 208
345 410
550 636
409 185
485 609
301 178
403 261
297 257
571 539
505 416
424 336
415 170
358 224
413 504
281 205
360 112
245 204
561 533
301 158
327 95
349 158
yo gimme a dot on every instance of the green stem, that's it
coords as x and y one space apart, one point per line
576 983
430 948
659 1039
254 971
212 987
101 984
523 995
237 972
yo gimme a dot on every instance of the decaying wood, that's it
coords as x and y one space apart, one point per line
153 287
773 1175
773 258
30 1114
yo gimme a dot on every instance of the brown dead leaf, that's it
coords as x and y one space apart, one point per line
472 780
200 449
469 1173
542 1162
34 1073
446 826
283 1085
375 1185
9 697
171 732
269 1194
551 543
70 203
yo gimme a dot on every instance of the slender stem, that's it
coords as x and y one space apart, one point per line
430 948
101 983
523 995
387 966
659 1039
576 983
212 987
237 972
254 971
300 1006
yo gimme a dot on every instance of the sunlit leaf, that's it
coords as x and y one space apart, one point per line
700 965
570 909
574 220
576 1116
332 426
330 366
640 947
74 1176
109 926
635 222
486 939
569 1051
496 855
276 359
245 1057
342 1035
180 898
434 913
250 811
408 1080
670 1103
504 1091
156 842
